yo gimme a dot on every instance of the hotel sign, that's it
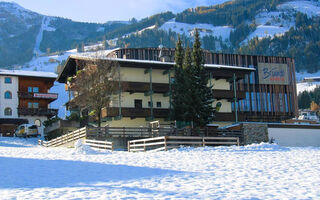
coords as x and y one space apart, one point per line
273 74
45 96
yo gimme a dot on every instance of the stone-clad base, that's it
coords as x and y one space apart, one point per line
254 133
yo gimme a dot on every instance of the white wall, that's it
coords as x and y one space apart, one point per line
31 120
12 103
295 137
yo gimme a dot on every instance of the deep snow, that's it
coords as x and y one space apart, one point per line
261 171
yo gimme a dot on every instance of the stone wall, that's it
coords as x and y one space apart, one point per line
254 133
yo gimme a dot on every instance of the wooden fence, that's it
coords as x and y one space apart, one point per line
169 142
199 137
64 139
100 144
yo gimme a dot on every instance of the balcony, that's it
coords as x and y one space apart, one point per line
137 112
133 87
38 111
30 95
227 94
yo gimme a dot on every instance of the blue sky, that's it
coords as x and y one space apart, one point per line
107 10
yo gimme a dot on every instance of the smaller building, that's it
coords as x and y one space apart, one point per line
25 98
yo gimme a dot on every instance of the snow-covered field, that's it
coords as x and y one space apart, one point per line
261 171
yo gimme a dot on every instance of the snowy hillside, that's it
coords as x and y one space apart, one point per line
204 29
261 171
17 10
306 86
310 8
276 23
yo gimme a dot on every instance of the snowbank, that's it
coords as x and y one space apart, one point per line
260 171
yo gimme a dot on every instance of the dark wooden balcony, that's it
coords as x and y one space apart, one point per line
228 94
137 112
133 87
30 95
38 111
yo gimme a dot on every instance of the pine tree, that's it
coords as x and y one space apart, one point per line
178 84
203 98
192 97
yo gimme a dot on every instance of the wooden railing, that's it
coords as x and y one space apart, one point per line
100 144
105 132
37 111
167 137
75 135
169 142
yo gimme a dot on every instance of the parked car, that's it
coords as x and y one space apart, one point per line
27 130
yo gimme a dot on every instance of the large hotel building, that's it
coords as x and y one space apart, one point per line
249 87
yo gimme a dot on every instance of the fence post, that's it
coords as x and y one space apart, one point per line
144 146
238 141
123 131
165 143
203 142
112 147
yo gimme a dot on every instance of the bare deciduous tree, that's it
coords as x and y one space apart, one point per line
95 84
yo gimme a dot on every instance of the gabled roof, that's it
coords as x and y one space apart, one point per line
132 62
39 74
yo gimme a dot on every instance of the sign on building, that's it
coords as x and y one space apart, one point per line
272 73
45 96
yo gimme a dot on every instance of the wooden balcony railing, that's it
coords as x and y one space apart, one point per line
228 94
30 95
138 112
38 111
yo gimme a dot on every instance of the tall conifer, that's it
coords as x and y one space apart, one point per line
178 102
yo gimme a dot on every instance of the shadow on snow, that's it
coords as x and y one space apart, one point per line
35 173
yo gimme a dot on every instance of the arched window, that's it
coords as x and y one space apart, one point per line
8 95
7 111
37 122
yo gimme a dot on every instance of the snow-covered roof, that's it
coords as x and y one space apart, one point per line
159 62
28 73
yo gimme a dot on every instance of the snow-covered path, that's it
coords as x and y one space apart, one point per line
260 171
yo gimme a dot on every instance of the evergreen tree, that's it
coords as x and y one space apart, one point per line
192 97
178 97
202 93
304 100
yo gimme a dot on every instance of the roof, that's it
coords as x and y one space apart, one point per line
39 74
159 62
146 63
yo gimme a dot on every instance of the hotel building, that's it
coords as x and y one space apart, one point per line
250 88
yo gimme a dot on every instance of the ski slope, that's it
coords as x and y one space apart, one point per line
260 171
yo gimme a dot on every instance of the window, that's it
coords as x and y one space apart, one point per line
37 122
149 104
35 89
7 80
8 95
33 105
8 112
158 104
138 103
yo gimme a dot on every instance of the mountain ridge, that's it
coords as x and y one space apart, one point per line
253 27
